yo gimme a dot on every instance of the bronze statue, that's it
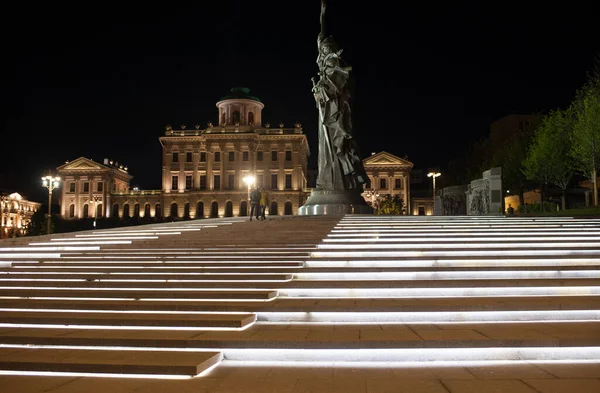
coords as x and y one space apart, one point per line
340 166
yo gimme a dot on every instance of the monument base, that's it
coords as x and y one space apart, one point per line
322 202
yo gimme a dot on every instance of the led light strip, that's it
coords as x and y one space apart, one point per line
119 235
103 299
492 262
98 375
79 239
116 289
429 317
431 239
67 243
122 327
448 292
459 244
451 275
92 311
396 364
451 253
412 354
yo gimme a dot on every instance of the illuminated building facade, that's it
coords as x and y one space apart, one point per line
203 169
87 187
388 175
16 214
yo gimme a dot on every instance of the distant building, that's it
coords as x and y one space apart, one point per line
388 175
508 125
87 187
203 169
15 214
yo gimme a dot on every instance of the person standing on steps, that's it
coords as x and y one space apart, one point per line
255 203
264 201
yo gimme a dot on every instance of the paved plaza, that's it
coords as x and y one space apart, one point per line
299 304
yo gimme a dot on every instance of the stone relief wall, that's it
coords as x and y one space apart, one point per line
481 197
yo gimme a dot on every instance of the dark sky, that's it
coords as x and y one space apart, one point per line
103 82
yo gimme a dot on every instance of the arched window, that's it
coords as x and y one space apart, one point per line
174 210
214 210
287 209
250 118
126 210
99 211
115 211
136 210
158 211
228 209
147 210
186 211
72 211
235 117
86 210
273 209
243 209
200 210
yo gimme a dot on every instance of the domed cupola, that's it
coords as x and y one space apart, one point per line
240 108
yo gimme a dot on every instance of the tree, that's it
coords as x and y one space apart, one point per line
585 140
391 205
548 160
585 148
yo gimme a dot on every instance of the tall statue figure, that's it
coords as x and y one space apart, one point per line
340 166
341 173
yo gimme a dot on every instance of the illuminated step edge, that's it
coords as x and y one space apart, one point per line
5 264
152 234
426 317
454 263
447 292
418 231
425 253
459 244
29 255
430 239
504 354
66 243
109 361
445 275
54 248
79 239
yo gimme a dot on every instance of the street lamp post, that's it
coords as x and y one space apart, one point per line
433 175
50 183
96 200
249 180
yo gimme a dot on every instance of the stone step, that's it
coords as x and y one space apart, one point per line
137 294
229 282
162 269
581 335
308 305
56 277
107 361
73 265
128 318
39 271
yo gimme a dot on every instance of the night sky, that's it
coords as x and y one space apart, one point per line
103 82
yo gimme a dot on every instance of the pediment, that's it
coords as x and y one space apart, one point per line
387 159
82 164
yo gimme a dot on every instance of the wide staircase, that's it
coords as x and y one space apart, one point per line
177 300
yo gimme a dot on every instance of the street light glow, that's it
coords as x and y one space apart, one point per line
50 182
433 175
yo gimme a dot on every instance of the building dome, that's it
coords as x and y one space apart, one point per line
240 92
239 108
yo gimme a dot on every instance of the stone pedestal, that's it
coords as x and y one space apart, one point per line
323 202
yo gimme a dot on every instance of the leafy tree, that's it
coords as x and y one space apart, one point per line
391 205
547 160
585 148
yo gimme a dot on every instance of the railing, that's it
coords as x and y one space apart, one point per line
235 130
